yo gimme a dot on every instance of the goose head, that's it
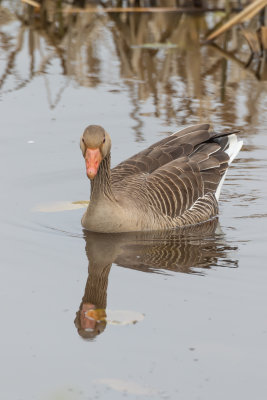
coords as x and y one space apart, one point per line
95 145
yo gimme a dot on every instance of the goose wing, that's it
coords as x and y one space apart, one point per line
176 186
175 173
159 154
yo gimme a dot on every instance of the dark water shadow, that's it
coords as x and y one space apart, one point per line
190 251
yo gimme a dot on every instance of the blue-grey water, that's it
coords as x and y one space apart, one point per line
193 307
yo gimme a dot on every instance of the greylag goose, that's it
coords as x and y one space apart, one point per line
174 183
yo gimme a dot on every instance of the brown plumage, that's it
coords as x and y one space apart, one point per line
173 183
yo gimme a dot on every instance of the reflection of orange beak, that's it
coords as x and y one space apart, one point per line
92 160
98 314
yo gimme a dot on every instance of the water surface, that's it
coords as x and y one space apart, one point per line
187 310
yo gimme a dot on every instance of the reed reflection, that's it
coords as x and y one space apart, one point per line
159 58
190 251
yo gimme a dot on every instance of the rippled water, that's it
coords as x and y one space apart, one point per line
84 316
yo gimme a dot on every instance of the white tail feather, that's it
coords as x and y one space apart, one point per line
232 151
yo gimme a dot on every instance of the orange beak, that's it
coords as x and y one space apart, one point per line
93 159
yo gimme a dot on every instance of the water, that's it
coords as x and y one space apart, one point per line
187 311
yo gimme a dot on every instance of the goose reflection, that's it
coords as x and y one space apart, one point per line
191 250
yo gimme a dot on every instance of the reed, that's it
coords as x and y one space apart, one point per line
161 56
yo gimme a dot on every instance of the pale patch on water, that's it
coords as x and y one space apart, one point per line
115 317
155 46
60 206
63 394
124 317
127 387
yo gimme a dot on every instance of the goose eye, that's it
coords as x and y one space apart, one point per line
83 140
104 140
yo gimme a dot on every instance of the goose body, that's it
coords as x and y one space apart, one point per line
176 182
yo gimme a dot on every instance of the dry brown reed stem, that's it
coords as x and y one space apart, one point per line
232 58
252 39
264 37
32 3
248 12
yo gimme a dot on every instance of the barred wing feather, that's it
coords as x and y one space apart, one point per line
179 170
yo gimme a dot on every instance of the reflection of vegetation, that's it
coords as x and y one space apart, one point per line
160 58
247 13
154 252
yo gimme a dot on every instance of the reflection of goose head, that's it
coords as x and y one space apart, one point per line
178 250
90 321
91 318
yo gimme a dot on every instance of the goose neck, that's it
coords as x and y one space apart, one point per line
101 184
